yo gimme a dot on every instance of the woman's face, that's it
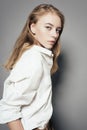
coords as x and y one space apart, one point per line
47 30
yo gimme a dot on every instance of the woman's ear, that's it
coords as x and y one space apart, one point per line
32 28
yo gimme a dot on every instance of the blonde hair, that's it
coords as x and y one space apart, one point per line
26 38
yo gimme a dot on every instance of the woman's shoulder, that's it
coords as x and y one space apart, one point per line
29 62
30 57
32 53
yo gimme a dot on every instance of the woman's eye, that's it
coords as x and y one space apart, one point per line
48 27
58 30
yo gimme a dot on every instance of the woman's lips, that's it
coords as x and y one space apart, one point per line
51 42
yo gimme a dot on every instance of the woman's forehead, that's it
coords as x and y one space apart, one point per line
50 18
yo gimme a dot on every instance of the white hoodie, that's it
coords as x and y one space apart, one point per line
28 90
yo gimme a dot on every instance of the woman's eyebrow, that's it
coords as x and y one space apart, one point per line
53 25
50 24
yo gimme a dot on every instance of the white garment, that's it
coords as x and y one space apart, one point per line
28 90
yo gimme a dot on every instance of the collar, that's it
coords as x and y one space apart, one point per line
43 50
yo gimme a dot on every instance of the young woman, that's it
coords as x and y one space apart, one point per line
26 102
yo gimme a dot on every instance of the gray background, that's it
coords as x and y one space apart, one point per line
70 82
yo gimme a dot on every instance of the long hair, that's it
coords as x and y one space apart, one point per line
26 38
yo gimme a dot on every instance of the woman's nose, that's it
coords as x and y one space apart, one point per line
55 34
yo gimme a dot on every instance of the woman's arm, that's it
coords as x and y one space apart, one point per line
15 125
20 88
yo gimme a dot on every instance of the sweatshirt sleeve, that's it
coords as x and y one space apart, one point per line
21 86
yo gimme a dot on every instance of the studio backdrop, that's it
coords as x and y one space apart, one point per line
70 82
